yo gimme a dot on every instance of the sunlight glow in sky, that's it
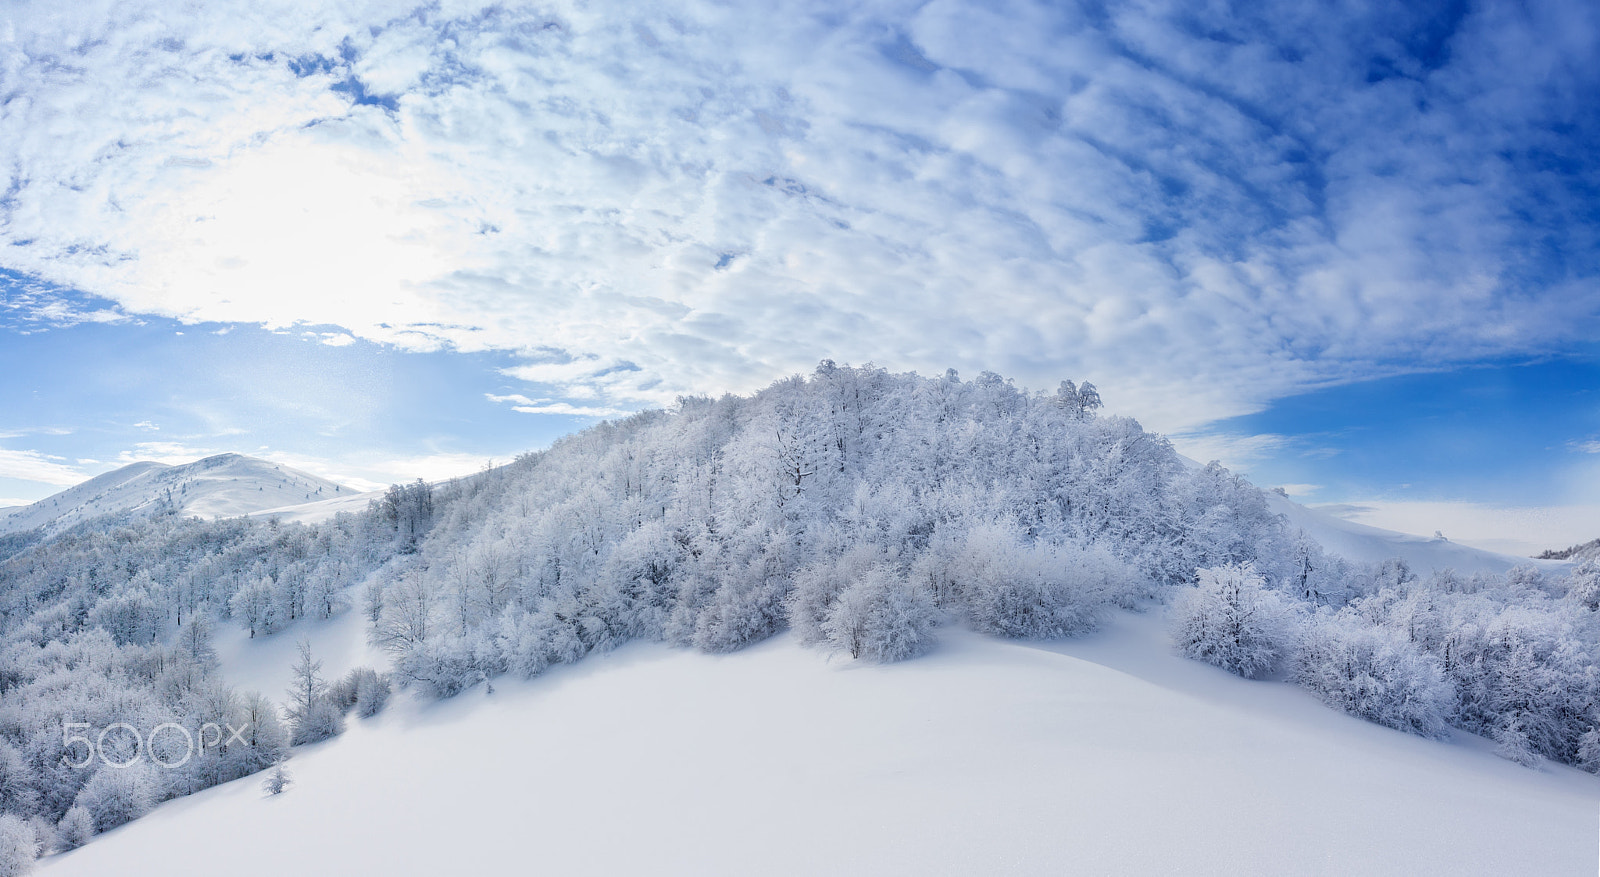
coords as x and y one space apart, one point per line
481 226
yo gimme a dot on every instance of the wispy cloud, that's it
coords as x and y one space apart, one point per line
1237 452
34 466
168 452
526 405
1199 211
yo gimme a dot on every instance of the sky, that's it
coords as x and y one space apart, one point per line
1351 249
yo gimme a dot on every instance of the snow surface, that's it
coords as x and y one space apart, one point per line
262 663
225 485
317 511
1107 754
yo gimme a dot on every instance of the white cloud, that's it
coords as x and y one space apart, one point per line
1236 452
572 410
1521 531
526 405
1591 446
693 197
518 398
428 467
170 453
1299 489
35 466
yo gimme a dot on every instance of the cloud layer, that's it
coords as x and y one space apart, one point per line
1198 212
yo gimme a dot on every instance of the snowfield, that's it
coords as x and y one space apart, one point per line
317 511
1105 754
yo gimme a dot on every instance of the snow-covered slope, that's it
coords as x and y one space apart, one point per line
1363 544
1105 755
320 510
221 486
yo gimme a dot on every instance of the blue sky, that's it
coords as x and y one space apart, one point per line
1511 433
1301 238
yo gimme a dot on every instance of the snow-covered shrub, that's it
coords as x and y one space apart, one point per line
1583 584
741 612
817 588
528 643
342 692
16 795
372 691
114 796
277 780
882 617
1014 589
1374 673
1231 619
363 689
443 667
18 846
1526 676
641 570
75 828
46 838
1589 746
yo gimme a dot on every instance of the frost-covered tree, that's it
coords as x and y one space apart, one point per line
1374 673
18 846
882 617
1583 584
255 605
114 796
17 794
372 692
265 738
76 828
312 716
194 641
1015 589
363 689
1232 620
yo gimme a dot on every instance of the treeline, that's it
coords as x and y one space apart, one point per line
1511 657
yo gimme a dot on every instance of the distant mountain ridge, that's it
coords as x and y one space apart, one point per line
1587 551
224 485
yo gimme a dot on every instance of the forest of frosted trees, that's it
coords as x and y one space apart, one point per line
862 510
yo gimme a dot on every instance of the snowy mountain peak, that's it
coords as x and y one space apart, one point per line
223 485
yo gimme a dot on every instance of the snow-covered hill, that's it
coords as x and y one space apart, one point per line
221 486
1360 543
1108 754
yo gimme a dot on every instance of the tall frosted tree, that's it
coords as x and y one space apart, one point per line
312 715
